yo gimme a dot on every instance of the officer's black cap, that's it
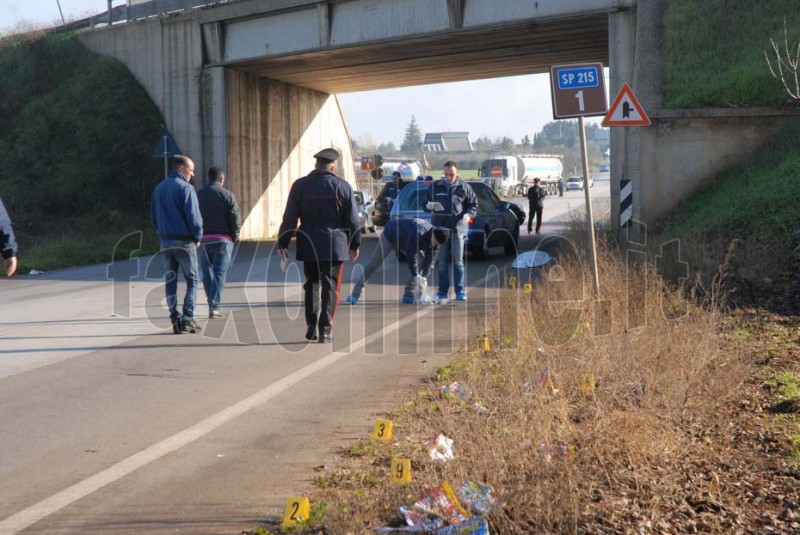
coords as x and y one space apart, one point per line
327 155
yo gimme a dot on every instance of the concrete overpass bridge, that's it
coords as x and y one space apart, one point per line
251 85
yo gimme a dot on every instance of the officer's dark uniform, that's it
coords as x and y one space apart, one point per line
329 228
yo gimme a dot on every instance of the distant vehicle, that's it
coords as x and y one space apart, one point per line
497 222
513 175
364 201
409 169
576 182
604 168
383 203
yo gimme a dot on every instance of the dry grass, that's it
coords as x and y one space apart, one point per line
656 389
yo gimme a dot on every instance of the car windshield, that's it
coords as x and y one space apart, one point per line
575 179
415 199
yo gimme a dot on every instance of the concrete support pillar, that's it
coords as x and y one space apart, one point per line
214 121
273 131
621 39
649 85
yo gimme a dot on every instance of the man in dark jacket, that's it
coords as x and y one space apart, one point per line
176 216
8 243
452 203
412 236
536 195
221 224
328 235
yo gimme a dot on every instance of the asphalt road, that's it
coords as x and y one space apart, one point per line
111 424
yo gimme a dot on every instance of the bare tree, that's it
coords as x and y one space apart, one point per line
786 67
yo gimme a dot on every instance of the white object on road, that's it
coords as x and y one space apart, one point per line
531 259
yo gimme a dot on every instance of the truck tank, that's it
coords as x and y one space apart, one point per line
513 175
546 167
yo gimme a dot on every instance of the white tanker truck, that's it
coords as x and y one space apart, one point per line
513 175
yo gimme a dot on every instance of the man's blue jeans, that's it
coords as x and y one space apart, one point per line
451 250
180 257
215 259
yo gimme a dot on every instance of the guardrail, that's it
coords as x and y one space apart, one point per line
145 10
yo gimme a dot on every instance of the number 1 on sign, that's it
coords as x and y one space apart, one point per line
579 96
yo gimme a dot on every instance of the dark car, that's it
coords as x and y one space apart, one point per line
364 201
383 202
497 222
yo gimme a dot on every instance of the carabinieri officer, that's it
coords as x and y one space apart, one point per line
328 235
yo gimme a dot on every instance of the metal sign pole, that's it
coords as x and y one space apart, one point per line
589 218
166 158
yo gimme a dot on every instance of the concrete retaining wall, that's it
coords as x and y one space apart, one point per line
263 132
274 129
685 150
165 56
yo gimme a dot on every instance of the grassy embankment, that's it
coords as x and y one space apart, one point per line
673 435
76 142
715 51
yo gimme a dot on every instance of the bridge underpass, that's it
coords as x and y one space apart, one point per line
250 85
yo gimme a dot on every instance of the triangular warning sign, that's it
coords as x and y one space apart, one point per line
166 146
626 110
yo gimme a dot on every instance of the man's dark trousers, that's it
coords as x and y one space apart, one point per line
327 275
537 212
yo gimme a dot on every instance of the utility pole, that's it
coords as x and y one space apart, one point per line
63 21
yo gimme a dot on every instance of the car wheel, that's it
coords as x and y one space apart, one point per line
481 251
510 246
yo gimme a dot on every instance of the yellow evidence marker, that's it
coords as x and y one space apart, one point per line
528 288
400 472
483 343
297 509
382 431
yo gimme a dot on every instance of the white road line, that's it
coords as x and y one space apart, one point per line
48 506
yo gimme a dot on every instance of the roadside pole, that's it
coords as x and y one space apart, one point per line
625 111
166 157
579 91
589 217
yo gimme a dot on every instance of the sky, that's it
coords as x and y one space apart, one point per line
522 103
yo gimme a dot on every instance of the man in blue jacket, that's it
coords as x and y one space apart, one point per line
452 204
220 213
329 234
8 243
412 236
176 216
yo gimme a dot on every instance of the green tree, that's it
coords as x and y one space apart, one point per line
483 143
412 142
526 142
387 149
559 133
507 143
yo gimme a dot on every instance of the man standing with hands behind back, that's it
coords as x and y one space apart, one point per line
536 195
452 204
176 216
329 234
